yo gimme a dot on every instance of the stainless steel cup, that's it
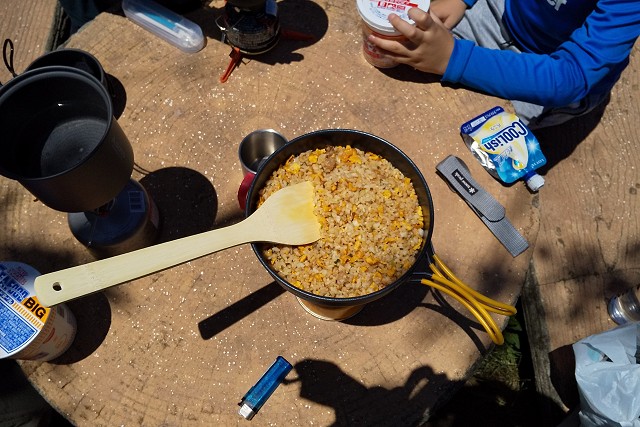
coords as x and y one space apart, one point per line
256 147
253 152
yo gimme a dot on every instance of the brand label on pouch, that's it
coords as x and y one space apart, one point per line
21 314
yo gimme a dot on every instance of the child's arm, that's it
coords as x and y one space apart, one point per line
590 61
450 12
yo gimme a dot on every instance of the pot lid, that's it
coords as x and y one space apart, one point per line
375 13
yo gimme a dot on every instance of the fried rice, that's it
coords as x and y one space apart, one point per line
372 225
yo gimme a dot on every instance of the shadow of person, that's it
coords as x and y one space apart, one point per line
426 399
491 403
558 142
354 403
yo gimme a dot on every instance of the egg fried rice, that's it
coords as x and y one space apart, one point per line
371 223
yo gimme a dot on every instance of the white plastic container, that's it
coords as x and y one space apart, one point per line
29 331
166 24
375 20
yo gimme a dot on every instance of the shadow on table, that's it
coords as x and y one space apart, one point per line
426 399
558 142
93 317
408 74
353 403
410 296
492 403
118 95
393 306
213 325
186 201
390 308
187 204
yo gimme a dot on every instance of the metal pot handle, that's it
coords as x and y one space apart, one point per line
8 57
444 280
222 28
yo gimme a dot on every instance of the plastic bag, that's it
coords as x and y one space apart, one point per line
608 377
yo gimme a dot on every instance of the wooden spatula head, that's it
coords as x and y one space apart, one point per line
288 216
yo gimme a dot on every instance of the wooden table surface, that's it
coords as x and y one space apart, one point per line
182 346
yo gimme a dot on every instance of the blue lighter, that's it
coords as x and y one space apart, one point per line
257 395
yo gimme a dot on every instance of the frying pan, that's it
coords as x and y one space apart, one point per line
366 142
440 277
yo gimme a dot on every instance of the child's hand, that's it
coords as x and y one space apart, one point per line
430 42
450 12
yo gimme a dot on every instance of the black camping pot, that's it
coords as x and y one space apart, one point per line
328 307
60 140
75 58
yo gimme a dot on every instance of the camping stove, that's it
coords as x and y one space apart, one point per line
250 29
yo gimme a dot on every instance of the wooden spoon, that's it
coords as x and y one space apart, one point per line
285 217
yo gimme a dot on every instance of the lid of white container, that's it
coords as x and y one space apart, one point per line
376 13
